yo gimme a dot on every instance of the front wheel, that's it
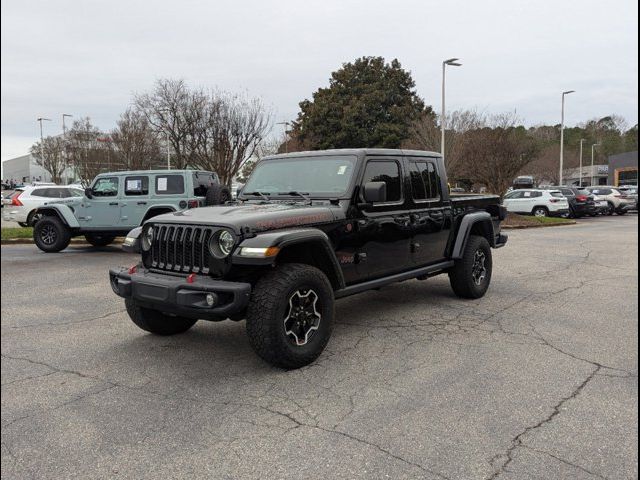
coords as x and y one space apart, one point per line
99 240
157 322
471 275
51 235
290 316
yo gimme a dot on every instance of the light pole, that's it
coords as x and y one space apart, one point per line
592 171
40 120
454 63
582 140
64 141
168 153
562 136
286 143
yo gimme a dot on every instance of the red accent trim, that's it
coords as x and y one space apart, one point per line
191 278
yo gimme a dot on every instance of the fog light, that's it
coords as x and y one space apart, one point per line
212 299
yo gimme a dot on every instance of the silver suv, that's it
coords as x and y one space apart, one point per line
618 202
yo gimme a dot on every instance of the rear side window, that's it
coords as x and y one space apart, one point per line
387 172
105 187
169 184
424 181
138 185
602 191
39 192
567 192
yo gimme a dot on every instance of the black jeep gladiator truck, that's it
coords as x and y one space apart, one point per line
308 228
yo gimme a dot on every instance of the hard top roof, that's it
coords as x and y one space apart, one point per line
359 152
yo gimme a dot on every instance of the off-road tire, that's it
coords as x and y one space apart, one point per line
461 275
217 195
157 322
99 240
268 310
51 235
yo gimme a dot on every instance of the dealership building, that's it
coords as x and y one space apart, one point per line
24 169
623 169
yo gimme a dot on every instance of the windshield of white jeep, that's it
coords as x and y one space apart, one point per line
326 176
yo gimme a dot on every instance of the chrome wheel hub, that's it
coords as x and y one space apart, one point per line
302 318
479 270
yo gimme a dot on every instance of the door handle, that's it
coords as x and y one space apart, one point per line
113 203
141 203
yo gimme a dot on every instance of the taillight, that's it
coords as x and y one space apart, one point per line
192 204
554 200
581 198
15 200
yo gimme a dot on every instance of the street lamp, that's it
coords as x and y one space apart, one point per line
562 136
592 171
582 140
40 120
64 141
64 128
286 143
454 63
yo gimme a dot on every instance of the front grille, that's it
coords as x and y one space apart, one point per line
180 248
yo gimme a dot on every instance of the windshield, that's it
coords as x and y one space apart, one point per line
326 176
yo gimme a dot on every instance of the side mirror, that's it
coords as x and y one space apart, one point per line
88 193
375 192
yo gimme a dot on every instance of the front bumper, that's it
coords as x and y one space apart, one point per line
173 294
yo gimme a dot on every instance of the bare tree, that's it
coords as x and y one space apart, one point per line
494 154
425 134
90 152
178 113
136 143
50 155
235 125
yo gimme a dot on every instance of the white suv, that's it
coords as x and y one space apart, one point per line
618 202
24 202
541 203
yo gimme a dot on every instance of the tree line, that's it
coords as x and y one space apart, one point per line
197 128
368 103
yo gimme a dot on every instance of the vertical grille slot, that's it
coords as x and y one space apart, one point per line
181 248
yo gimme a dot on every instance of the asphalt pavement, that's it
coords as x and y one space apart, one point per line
538 379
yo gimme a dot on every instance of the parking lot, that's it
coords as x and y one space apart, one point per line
536 380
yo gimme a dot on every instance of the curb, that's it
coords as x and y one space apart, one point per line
522 227
28 241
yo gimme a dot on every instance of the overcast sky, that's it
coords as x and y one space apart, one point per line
86 58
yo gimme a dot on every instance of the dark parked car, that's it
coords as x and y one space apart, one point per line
309 228
581 202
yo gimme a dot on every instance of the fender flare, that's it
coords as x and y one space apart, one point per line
285 238
63 212
464 230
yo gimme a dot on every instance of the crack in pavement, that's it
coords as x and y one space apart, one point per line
566 462
55 324
502 460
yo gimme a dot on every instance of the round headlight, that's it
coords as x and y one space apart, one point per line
226 242
147 239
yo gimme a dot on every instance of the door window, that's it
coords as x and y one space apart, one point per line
425 183
138 185
169 184
387 172
105 187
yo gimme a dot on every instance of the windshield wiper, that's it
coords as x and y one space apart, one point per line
262 195
295 192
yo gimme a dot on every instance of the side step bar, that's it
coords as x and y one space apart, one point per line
398 277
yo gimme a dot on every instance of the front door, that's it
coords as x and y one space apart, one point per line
103 210
430 216
384 229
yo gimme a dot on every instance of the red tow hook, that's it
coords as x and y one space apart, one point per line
133 269
191 278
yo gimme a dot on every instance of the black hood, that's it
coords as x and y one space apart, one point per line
258 217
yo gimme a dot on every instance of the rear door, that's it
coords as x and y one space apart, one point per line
135 201
430 216
384 229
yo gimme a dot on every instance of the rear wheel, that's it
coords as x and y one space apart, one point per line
612 209
621 212
99 240
33 218
51 235
540 212
157 322
471 275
